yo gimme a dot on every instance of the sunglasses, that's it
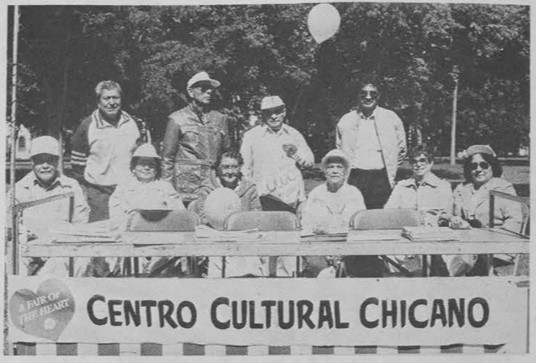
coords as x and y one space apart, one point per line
373 94
483 165
273 111
45 158
421 160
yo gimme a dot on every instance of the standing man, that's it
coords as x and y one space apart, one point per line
374 140
273 153
194 137
102 146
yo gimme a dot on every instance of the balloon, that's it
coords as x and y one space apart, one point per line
323 22
220 203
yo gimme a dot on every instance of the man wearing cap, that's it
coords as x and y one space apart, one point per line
194 137
375 141
329 207
273 153
44 181
101 148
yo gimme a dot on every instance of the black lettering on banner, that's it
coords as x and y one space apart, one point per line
325 314
386 313
243 313
412 319
485 312
91 311
438 312
338 323
252 323
458 310
363 313
268 304
113 313
165 316
148 304
280 307
403 307
214 313
305 316
193 314
132 312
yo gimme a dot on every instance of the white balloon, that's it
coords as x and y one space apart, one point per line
323 22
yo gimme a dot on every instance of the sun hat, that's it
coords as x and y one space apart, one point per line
202 77
271 102
338 155
146 151
480 149
220 203
44 145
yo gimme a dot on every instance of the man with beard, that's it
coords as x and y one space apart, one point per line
375 142
43 181
329 207
102 146
194 137
228 175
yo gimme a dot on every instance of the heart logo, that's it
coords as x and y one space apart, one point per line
44 313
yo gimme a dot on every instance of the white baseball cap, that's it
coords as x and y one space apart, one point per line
337 155
202 77
45 145
271 102
146 151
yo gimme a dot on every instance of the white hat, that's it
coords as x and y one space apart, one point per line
338 155
45 145
271 102
146 151
480 149
220 203
202 77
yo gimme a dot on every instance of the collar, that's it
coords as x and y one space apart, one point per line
102 123
430 179
284 129
58 182
371 117
197 110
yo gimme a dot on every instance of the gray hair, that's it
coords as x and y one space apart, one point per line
107 85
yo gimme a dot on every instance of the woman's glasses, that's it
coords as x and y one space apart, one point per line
420 160
373 94
483 165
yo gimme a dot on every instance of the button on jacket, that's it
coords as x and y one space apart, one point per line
192 142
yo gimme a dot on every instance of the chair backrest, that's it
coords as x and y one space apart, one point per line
163 221
385 219
264 221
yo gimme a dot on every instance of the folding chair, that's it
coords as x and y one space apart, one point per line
264 221
387 219
162 221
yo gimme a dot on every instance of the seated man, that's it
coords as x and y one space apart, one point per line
43 181
228 175
330 207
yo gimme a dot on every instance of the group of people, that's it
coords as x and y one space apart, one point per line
118 171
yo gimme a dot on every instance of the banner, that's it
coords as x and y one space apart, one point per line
345 312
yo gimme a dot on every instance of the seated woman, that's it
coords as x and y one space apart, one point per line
482 172
329 207
213 206
143 190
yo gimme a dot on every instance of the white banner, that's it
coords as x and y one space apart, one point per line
345 312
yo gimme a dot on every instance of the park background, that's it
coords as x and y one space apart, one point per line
420 51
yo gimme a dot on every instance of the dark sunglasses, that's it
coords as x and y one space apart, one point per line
45 158
273 111
373 94
483 165
421 160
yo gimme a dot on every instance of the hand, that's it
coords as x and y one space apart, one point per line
290 149
458 222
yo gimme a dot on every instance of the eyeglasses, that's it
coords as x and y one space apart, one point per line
45 158
373 94
421 160
483 165
273 111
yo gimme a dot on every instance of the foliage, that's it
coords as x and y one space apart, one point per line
255 50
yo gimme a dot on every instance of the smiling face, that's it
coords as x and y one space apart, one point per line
421 166
109 103
45 167
335 172
274 117
145 169
368 98
481 171
201 93
229 172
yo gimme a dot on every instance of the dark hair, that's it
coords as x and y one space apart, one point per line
370 79
492 160
229 153
134 161
422 149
